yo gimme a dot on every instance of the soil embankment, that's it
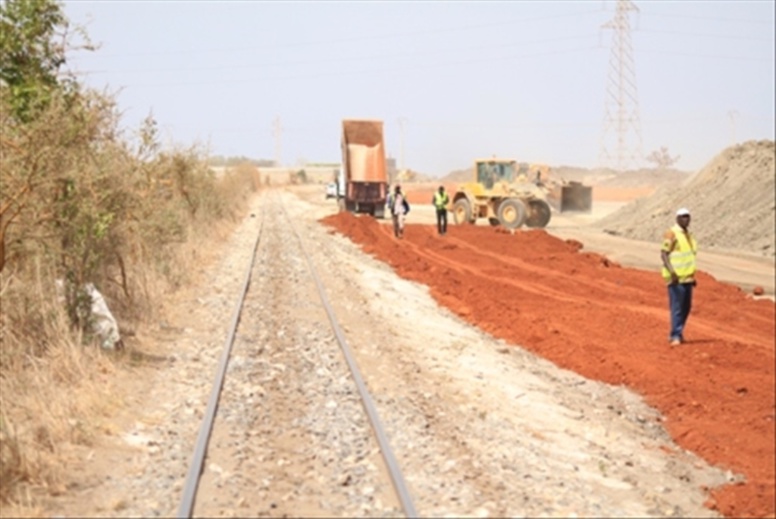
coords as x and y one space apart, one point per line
609 323
732 201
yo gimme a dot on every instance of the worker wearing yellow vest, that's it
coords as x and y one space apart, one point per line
678 254
440 202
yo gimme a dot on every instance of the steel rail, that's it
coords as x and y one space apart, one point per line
195 469
397 478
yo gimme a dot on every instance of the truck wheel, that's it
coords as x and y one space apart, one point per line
538 214
511 213
462 212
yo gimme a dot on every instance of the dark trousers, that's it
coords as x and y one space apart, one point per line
680 303
442 221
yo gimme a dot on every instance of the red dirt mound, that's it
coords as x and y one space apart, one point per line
609 323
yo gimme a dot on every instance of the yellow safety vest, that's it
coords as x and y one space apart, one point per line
682 257
440 201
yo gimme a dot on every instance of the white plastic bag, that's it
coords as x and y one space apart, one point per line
104 325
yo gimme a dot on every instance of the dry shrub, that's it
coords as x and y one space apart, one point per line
80 204
236 178
53 391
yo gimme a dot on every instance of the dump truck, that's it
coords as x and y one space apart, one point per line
364 167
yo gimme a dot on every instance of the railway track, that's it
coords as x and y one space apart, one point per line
290 428
482 429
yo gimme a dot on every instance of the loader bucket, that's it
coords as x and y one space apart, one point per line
573 196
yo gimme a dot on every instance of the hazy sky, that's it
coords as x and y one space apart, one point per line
452 81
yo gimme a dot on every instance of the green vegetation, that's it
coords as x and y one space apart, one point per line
79 204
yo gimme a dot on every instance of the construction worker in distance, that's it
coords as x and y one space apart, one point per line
440 202
399 208
678 255
389 201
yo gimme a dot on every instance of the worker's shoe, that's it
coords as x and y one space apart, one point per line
676 342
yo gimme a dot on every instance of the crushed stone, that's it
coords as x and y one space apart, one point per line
732 201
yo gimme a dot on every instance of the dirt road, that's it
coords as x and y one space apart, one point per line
587 313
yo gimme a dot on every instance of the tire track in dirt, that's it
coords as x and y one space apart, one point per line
710 327
591 293
716 392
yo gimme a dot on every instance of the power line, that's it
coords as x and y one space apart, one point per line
708 56
373 57
672 53
373 71
702 35
711 18
425 31
477 124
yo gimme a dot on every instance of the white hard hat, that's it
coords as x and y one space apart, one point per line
683 212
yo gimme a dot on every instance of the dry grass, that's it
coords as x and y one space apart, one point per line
81 201
132 223
48 401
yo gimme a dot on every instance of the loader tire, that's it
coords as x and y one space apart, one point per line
511 213
538 214
462 212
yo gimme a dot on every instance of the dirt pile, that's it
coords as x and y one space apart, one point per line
458 176
732 200
643 178
587 314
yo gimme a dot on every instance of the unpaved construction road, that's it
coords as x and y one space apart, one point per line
515 375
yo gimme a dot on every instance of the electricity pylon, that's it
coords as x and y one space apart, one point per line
621 107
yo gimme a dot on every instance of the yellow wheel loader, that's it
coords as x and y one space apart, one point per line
564 196
504 194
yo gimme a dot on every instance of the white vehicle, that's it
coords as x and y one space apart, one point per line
331 190
341 183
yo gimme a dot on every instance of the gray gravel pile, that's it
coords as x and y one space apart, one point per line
732 202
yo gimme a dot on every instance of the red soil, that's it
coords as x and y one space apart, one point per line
590 315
